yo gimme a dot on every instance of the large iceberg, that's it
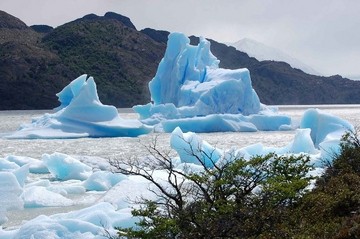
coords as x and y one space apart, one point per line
191 91
81 114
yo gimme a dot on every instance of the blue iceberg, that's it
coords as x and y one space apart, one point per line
191 91
326 131
319 136
81 114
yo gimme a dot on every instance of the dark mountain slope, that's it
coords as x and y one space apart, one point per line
121 59
34 67
30 75
42 28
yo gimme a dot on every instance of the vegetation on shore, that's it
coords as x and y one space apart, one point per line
265 197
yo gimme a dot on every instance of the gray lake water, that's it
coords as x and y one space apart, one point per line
110 148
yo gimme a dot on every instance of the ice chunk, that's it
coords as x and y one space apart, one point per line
38 196
70 91
21 174
10 191
326 131
5 165
190 90
128 191
103 180
81 114
65 167
192 149
227 122
45 227
35 165
302 143
323 125
64 190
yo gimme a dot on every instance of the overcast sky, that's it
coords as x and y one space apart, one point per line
324 34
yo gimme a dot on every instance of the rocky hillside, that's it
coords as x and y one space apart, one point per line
37 62
35 66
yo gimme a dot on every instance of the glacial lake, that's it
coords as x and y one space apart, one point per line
100 150
110 148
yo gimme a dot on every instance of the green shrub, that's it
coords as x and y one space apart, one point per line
239 198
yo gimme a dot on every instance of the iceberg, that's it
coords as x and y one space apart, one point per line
65 167
37 196
81 114
189 90
35 165
103 180
319 136
192 149
326 131
86 223
10 194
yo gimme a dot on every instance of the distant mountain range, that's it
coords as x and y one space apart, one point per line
263 52
37 62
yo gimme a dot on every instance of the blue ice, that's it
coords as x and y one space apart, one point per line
189 90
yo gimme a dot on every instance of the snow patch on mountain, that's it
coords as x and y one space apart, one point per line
263 52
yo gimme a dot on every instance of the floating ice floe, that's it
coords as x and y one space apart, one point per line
11 189
189 90
319 135
103 180
81 114
65 167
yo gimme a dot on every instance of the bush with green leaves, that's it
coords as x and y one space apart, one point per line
332 209
237 198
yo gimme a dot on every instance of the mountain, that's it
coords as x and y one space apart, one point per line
42 28
26 81
263 52
36 64
121 59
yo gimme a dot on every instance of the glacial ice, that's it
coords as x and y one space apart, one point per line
319 135
38 196
102 180
35 165
90 222
65 167
323 124
192 149
81 114
10 194
189 90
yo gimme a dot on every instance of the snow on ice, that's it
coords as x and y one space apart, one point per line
81 114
